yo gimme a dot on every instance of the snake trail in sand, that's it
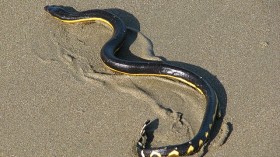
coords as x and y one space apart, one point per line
146 68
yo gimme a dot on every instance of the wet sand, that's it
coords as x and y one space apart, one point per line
58 98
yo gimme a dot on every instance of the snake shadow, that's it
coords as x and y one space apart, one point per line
132 22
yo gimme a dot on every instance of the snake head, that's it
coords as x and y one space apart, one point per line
59 11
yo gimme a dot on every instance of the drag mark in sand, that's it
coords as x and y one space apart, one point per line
83 70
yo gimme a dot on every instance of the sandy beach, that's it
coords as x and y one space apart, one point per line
58 99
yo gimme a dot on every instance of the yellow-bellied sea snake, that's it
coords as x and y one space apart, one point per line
146 68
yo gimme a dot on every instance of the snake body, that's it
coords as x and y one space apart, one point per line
151 68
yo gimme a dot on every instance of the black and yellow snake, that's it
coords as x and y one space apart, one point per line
146 68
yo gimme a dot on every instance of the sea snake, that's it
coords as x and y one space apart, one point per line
146 68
